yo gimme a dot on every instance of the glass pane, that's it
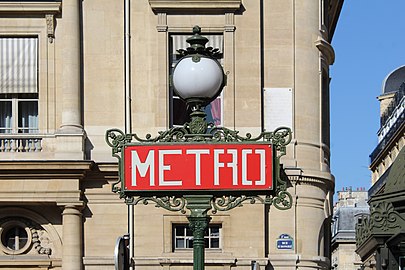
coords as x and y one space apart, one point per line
179 242
213 111
401 263
180 114
28 116
214 232
180 230
16 238
189 242
6 118
189 232
214 243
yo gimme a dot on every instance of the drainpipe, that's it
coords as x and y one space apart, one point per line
128 119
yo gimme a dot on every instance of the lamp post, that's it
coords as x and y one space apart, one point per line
198 78
198 151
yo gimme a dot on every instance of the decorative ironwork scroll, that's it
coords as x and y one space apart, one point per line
279 139
383 219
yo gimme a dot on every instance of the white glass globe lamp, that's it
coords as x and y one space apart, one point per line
198 77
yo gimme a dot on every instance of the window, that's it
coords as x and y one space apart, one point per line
179 113
401 263
19 113
15 237
19 85
183 237
325 108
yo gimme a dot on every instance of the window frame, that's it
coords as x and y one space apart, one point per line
188 238
9 225
172 95
15 100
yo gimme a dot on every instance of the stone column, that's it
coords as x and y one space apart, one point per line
70 44
72 258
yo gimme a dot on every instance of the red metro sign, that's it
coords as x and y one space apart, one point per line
197 167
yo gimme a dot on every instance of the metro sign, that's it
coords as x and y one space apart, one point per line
195 167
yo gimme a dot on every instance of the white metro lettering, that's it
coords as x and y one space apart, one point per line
200 167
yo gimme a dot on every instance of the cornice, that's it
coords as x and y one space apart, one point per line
31 7
46 164
44 169
312 178
182 5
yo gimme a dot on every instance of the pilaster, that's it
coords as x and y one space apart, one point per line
71 82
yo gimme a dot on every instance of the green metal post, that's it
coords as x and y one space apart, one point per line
198 223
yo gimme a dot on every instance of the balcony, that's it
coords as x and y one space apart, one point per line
389 135
20 143
42 146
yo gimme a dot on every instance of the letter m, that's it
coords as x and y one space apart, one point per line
143 167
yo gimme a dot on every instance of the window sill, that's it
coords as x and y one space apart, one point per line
190 250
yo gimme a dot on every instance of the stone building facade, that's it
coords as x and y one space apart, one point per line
57 210
351 206
380 237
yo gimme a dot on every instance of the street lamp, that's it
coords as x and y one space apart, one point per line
197 152
198 78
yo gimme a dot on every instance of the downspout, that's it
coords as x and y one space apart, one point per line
128 119
262 64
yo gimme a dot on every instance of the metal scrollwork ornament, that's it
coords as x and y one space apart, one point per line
279 138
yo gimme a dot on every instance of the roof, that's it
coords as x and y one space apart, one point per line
393 80
347 217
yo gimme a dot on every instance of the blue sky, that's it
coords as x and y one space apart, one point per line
369 43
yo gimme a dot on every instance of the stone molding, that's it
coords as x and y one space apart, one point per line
31 7
326 49
300 177
219 6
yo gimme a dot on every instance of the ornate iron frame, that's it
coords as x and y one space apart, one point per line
383 220
279 139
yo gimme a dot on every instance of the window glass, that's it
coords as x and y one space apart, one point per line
179 113
15 238
401 263
183 237
6 118
18 113
28 117
18 84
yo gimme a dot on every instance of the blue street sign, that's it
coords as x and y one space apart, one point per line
285 242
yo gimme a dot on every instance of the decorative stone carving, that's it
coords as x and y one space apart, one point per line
50 27
382 220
